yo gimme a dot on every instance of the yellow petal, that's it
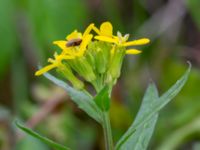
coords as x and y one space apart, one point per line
106 29
66 57
96 30
137 42
84 43
88 29
106 39
68 51
133 51
45 69
61 44
74 35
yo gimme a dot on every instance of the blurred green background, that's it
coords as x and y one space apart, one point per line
27 29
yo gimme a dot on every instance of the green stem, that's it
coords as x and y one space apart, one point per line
107 131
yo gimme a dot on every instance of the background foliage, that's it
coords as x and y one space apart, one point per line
27 30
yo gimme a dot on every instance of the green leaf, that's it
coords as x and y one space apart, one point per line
156 106
30 143
139 140
102 99
82 99
41 138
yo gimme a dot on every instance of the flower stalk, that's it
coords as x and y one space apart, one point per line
107 131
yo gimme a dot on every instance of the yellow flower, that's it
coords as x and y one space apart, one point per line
54 63
74 45
106 34
76 42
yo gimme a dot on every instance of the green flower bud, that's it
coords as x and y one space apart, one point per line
67 73
116 62
91 60
101 54
83 68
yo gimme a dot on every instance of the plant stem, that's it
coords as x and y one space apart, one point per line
107 131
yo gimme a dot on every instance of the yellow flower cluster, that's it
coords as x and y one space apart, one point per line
74 46
88 55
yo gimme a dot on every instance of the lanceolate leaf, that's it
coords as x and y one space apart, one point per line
82 99
41 138
140 138
156 106
102 99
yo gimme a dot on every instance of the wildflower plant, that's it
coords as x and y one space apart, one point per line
95 57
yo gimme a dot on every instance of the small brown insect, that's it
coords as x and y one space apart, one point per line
73 42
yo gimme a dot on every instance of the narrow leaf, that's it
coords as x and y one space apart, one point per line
41 138
102 99
157 106
139 140
82 99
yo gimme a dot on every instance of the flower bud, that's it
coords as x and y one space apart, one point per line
67 73
83 68
116 62
101 55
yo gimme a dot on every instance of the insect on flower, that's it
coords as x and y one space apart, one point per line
73 42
